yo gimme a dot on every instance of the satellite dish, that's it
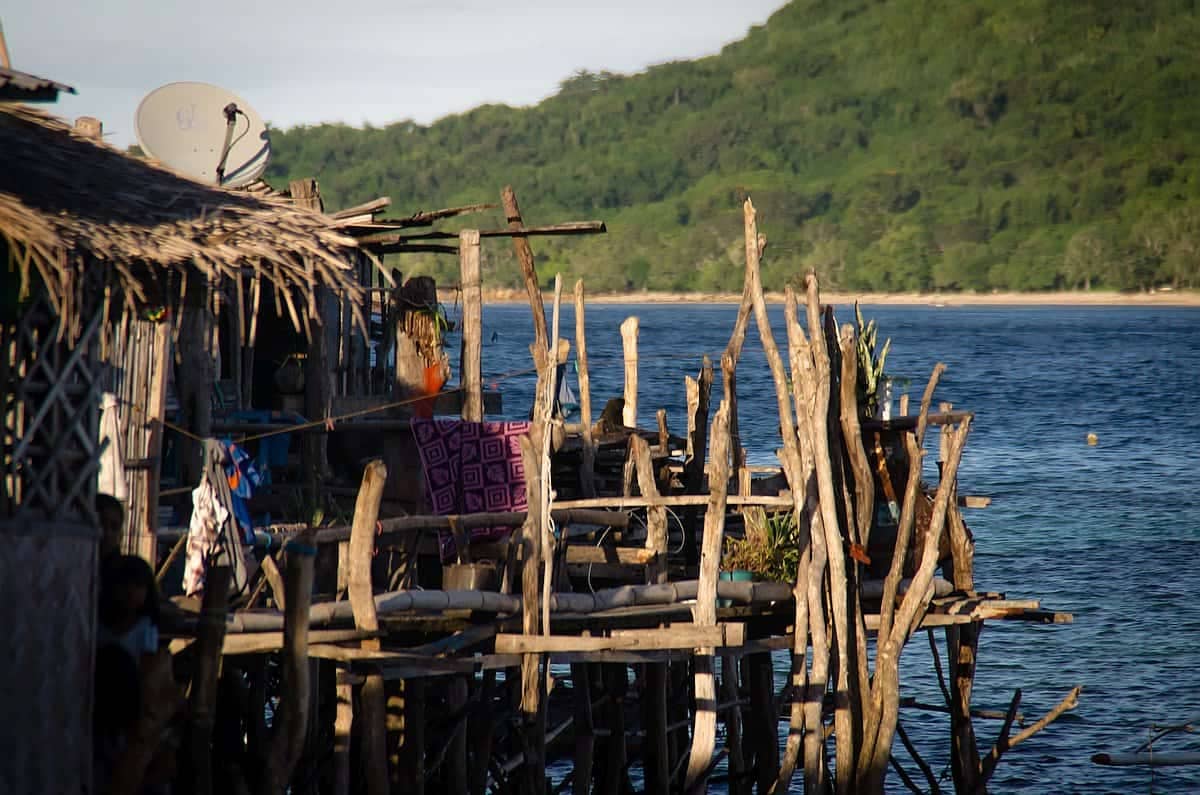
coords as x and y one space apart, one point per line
204 132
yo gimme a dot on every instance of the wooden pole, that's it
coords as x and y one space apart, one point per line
362 603
481 730
471 362
456 756
412 749
736 738
4 58
962 644
532 683
343 721
656 515
291 721
705 611
629 340
512 212
587 473
156 410
318 367
763 722
616 680
210 637
584 730
699 391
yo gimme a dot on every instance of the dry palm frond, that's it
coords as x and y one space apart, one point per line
69 203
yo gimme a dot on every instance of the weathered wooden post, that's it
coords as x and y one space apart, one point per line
629 340
512 212
362 603
210 636
962 642
699 391
587 473
471 366
291 722
321 322
705 611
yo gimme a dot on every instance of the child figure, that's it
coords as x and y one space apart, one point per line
128 606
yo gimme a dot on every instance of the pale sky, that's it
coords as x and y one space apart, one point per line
353 61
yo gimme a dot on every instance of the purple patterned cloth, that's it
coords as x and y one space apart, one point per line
472 467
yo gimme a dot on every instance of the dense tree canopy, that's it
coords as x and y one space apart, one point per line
900 145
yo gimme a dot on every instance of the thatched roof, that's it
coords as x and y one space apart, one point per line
69 204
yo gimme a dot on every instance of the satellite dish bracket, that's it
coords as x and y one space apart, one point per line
231 113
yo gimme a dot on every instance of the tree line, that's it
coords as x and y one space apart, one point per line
900 146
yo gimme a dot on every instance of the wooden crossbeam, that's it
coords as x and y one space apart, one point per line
676 636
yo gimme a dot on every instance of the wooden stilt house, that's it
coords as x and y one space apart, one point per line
112 271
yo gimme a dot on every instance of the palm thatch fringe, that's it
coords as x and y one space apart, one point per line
70 205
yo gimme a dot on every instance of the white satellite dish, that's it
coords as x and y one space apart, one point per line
204 132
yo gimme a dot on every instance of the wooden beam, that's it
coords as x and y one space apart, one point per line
400 239
672 637
673 501
366 208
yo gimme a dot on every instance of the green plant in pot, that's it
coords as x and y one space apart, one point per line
769 549
871 359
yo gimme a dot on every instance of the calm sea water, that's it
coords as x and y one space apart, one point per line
1109 532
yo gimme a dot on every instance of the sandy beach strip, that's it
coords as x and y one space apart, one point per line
1180 298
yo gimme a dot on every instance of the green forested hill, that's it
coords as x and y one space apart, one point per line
892 145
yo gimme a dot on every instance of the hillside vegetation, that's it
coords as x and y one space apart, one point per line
901 145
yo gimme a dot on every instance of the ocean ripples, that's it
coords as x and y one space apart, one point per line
1111 532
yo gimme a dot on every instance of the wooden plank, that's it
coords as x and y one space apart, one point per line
260 642
366 208
377 658
624 556
471 363
672 637
674 501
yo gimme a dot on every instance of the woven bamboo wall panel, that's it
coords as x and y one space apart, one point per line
51 417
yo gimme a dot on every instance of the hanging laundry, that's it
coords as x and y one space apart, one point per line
244 479
214 538
111 477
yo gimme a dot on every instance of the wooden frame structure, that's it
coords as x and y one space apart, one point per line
410 697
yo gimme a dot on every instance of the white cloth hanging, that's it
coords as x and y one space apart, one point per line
208 517
111 477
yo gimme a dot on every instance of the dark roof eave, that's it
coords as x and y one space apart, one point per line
23 87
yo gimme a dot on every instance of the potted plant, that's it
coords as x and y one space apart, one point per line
769 549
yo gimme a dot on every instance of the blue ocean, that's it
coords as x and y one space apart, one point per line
1109 532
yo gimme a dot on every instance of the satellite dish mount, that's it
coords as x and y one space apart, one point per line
231 113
